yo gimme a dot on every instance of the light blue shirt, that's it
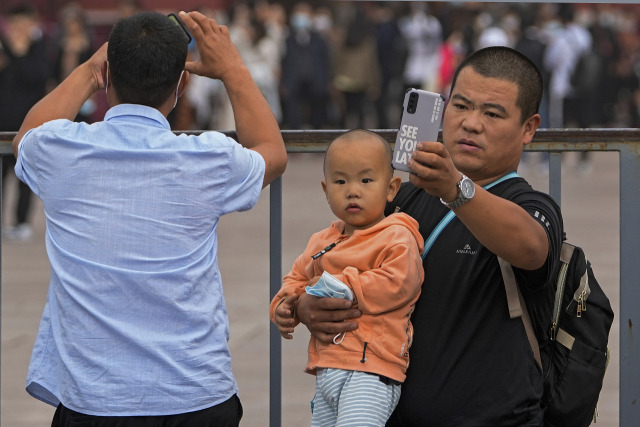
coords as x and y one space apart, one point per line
135 321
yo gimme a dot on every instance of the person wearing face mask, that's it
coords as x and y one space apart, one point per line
25 71
135 329
305 72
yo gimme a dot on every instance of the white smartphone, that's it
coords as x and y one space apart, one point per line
421 117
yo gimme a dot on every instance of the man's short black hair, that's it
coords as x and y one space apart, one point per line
147 53
504 63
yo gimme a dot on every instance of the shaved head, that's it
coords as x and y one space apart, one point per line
360 135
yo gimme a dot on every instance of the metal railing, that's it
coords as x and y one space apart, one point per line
626 142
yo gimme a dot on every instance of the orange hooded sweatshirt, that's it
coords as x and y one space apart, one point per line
383 267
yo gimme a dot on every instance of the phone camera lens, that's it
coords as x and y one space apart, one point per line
412 105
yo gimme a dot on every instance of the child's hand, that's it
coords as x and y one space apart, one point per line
284 316
313 281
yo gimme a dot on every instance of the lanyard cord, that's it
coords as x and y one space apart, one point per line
328 248
428 243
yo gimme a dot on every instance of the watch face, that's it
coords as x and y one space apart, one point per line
467 188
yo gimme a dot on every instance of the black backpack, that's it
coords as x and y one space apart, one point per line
575 352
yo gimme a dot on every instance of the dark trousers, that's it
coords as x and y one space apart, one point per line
354 109
226 414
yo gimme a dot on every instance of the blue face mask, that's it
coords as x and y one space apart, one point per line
301 21
106 83
330 287
177 88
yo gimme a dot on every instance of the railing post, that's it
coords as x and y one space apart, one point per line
1 210
555 177
625 141
629 316
275 280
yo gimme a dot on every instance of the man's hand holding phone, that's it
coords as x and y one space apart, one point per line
432 169
219 57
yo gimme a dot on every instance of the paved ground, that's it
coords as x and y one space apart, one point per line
590 205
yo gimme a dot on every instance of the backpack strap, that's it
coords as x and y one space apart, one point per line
517 306
565 257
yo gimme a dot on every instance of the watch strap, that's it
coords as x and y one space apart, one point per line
461 199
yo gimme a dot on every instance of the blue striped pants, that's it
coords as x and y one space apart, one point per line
352 398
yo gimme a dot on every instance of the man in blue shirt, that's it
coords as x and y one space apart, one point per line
135 329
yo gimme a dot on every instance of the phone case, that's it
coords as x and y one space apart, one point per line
421 116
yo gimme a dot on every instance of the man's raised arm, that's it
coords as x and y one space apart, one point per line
65 101
256 126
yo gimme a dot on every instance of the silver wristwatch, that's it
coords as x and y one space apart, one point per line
466 191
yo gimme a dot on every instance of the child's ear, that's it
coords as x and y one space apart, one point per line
394 185
324 188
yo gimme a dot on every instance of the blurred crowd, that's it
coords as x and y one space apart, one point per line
34 57
347 64
341 64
